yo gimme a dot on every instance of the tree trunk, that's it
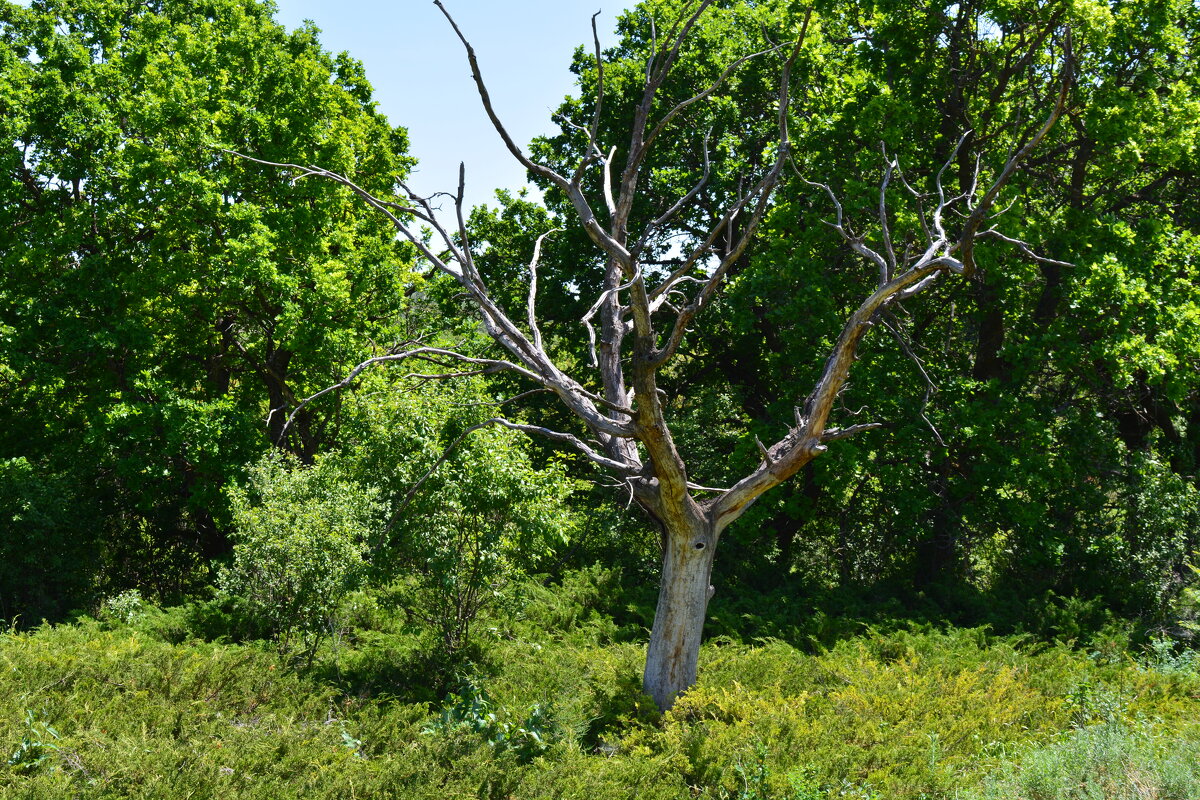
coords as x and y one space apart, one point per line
683 594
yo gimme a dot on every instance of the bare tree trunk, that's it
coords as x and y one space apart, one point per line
683 594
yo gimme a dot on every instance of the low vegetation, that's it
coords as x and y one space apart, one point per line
142 702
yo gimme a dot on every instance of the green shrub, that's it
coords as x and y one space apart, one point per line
581 606
903 715
473 709
302 537
105 709
486 518
466 513
1110 761
36 746
127 607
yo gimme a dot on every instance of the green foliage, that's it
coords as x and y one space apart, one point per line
1187 608
46 545
159 298
913 714
489 515
36 746
756 782
126 608
1042 427
584 604
473 709
301 542
1111 761
459 534
1165 655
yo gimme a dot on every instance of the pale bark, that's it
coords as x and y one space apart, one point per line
673 653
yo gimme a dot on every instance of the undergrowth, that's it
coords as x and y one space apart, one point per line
162 704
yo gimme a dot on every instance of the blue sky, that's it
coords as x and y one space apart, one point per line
422 80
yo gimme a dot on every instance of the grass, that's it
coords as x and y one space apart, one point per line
142 708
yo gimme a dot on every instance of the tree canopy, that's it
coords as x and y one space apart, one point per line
158 300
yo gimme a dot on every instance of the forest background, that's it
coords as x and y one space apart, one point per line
164 307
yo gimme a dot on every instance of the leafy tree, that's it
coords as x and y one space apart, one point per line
158 300
1022 406
1025 454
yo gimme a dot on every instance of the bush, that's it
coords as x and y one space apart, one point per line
126 608
301 540
1111 761
485 515
473 709
101 710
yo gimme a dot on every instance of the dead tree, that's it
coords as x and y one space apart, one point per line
642 324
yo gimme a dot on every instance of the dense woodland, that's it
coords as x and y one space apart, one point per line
215 586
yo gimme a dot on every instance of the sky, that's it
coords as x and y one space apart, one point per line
422 81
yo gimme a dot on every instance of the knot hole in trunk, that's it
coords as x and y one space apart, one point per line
699 545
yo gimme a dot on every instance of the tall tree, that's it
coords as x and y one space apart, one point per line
1034 404
639 321
156 302
1021 442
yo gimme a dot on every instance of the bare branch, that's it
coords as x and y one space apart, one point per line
384 207
653 47
468 260
564 438
516 398
621 467
537 364
683 105
594 129
762 449
762 191
587 216
890 267
833 434
992 233
531 303
943 203
695 487
678 33
490 366
609 203
680 204
587 318
930 386
638 144
983 208
806 440
537 169
920 204
857 243
706 293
